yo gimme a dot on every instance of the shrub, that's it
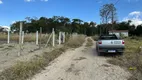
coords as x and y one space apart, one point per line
75 41
89 42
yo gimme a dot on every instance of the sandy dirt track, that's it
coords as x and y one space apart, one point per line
82 64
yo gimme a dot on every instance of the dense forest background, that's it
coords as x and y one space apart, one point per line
60 23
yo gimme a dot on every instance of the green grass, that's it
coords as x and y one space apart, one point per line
27 69
132 58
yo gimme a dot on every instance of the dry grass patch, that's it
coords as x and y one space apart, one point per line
27 37
95 38
25 70
89 42
75 41
1 46
132 58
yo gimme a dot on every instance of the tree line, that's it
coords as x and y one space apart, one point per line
65 24
126 25
60 23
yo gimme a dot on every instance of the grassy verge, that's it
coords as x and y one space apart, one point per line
132 58
89 43
75 41
27 37
95 38
25 70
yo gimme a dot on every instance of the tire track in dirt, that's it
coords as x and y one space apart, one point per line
82 64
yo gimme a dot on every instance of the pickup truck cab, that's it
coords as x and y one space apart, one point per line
110 44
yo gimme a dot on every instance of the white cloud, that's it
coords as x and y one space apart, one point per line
99 1
135 17
1 2
135 14
13 22
133 0
35 0
44 0
29 0
4 26
136 22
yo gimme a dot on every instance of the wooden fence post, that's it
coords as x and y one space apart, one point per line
8 37
36 37
22 37
20 33
48 40
40 37
53 37
63 37
59 38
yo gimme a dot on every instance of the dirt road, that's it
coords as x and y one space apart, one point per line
82 64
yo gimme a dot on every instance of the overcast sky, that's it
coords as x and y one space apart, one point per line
87 10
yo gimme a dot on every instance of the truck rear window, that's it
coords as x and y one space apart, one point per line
108 37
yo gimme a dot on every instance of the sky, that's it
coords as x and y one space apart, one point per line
86 10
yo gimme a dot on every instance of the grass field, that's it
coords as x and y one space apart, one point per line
132 58
24 70
27 37
89 43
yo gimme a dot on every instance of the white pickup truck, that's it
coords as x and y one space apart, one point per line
110 44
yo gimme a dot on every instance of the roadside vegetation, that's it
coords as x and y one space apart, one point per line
27 69
89 42
132 58
27 37
95 38
75 41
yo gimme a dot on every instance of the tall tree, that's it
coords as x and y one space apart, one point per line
108 13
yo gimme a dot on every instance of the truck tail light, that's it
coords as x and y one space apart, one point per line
100 42
123 42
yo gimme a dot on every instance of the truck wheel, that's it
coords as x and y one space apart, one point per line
99 53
